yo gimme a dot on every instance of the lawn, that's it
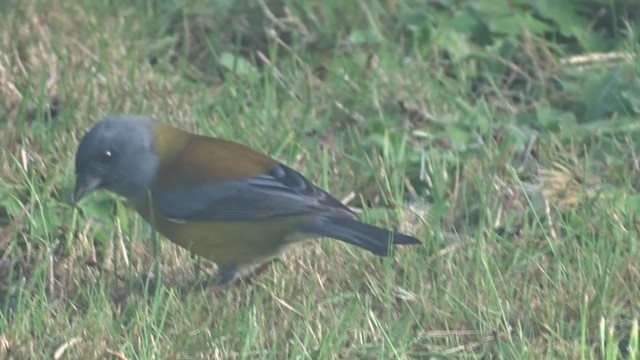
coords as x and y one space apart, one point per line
504 134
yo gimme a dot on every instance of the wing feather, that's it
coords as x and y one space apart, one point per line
279 192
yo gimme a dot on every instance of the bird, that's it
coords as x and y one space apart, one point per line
218 199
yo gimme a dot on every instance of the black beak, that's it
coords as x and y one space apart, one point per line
84 185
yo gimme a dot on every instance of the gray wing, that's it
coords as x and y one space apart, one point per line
280 192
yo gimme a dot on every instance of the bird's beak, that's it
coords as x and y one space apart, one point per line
84 185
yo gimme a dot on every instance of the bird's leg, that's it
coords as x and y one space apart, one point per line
227 274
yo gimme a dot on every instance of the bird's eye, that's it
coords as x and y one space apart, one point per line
106 156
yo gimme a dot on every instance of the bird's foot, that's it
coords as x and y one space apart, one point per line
227 274
232 274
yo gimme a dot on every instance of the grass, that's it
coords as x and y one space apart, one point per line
518 169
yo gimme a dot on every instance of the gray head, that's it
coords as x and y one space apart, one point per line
117 154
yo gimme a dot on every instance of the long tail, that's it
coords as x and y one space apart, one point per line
369 237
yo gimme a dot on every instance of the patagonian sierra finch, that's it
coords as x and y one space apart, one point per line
218 199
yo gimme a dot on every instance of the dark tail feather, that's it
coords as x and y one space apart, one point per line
372 238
